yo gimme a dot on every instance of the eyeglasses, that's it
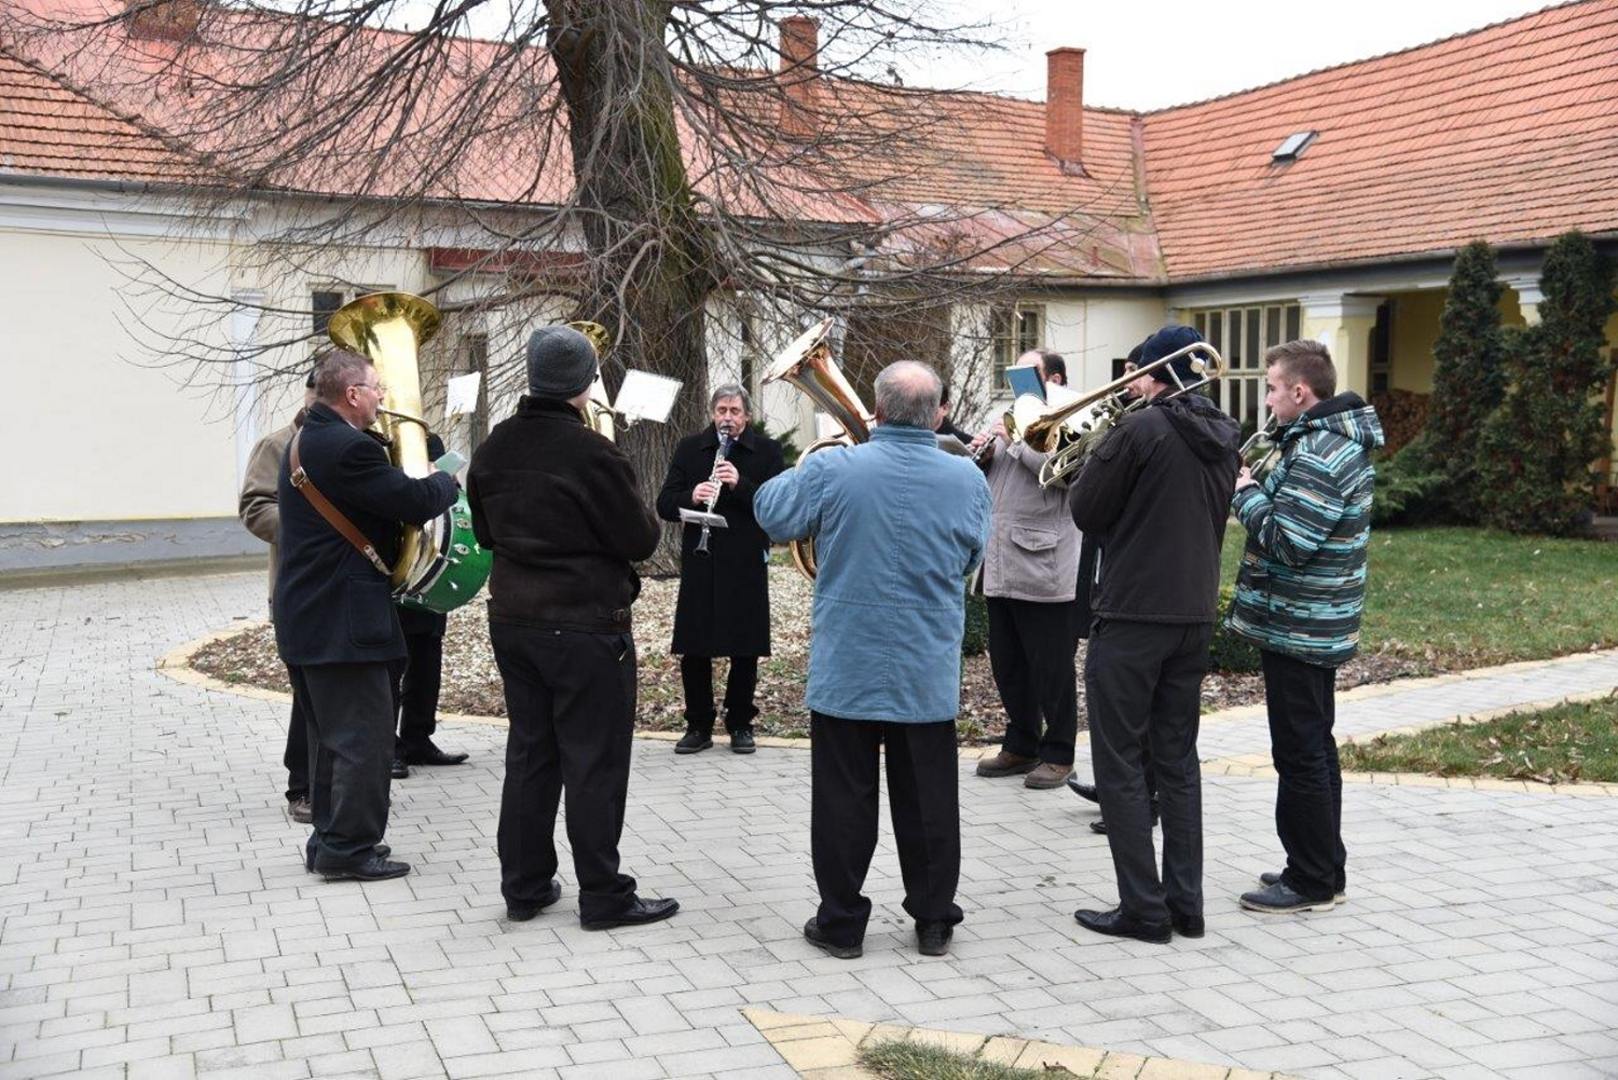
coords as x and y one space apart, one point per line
379 389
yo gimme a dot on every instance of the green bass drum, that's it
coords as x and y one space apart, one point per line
450 566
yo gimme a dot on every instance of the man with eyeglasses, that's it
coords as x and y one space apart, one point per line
341 503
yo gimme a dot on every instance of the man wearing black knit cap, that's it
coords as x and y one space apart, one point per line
560 508
1155 494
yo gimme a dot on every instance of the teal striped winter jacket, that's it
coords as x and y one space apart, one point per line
1301 586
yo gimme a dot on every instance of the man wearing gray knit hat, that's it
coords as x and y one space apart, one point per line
560 507
562 363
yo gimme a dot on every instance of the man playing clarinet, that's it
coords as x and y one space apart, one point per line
724 603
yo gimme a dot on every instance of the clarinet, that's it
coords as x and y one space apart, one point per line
713 478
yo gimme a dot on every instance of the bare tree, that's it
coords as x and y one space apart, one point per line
626 161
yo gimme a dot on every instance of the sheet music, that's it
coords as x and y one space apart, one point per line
461 395
644 396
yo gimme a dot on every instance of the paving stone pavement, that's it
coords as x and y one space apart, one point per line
157 921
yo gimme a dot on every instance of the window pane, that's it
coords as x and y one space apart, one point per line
1238 354
323 303
1293 318
1252 352
1199 322
1216 336
1272 327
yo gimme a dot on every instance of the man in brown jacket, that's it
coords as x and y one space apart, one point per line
261 513
1030 571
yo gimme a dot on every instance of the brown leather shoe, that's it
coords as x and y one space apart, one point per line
1006 764
1047 775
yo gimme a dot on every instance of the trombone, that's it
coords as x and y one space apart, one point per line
1070 432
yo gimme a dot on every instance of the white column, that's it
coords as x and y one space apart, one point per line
243 330
1343 323
1529 296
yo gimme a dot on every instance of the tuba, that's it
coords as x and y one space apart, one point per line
440 565
1071 431
808 365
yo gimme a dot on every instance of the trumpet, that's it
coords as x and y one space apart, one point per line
1261 453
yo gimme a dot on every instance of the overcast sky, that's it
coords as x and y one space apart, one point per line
1144 54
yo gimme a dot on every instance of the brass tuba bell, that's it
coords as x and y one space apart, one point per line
389 329
808 365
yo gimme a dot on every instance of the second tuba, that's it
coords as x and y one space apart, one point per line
808 365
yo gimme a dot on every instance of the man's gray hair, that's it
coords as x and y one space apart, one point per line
907 393
338 370
730 390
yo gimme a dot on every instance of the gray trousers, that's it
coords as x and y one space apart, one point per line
351 747
1143 687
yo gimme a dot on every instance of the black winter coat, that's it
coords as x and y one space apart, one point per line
560 508
1156 495
331 605
724 607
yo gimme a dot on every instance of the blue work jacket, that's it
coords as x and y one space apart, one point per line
897 525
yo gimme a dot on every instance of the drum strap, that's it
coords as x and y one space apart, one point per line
334 517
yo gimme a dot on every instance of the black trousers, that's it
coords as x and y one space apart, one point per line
570 700
296 755
1301 701
923 772
1031 646
1143 687
696 674
416 689
350 729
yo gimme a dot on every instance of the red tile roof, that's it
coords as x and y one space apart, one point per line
1509 133
50 130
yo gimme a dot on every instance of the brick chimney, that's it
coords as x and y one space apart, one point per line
162 20
800 72
1064 104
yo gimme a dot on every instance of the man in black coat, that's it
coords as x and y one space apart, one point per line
1156 494
560 508
724 605
335 625
419 679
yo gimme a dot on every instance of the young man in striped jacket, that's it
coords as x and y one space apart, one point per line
1299 594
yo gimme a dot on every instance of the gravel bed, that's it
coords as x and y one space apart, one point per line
472 682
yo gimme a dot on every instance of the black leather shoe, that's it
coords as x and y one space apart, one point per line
1273 877
816 937
382 851
1282 899
1118 924
399 770
1099 825
425 753
525 911
1187 925
300 810
932 938
741 742
1083 791
376 868
693 742
639 911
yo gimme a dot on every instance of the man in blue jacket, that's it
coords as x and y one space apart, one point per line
897 527
1299 594
335 624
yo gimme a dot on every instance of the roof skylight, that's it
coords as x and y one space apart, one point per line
1292 146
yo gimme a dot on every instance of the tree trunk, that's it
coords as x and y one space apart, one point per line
652 263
